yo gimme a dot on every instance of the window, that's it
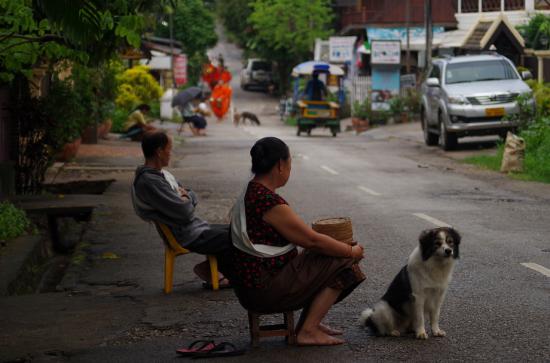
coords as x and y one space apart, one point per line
436 72
490 70
261 66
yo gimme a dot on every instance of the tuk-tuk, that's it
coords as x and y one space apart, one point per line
317 113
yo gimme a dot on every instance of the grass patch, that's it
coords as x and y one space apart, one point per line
536 165
491 162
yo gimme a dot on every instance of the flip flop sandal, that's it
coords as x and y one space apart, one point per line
224 349
197 346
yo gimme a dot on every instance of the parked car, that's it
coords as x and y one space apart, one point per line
257 73
470 96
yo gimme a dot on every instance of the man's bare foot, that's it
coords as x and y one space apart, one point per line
316 337
330 331
202 270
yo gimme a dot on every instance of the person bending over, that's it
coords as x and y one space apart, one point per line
157 196
269 274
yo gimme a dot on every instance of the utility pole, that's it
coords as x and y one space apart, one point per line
408 36
428 24
171 26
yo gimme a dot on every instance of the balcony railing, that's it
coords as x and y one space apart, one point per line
472 6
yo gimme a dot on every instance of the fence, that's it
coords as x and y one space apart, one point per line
360 89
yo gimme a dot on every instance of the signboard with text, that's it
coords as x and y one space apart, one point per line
386 52
180 69
341 49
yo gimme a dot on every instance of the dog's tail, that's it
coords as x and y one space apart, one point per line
364 319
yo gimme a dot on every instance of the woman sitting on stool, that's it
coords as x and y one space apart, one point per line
269 274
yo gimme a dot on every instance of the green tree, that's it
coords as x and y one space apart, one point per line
234 15
194 27
46 31
537 32
285 31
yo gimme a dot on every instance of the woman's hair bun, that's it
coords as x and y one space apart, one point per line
266 153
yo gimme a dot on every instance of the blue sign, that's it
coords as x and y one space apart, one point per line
400 33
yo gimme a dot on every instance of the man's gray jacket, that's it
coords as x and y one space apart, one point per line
155 199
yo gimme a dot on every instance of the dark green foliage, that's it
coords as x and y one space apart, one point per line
234 15
284 31
537 32
362 110
13 221
194 27
85 31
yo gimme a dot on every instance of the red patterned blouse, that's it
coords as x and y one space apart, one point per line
251 271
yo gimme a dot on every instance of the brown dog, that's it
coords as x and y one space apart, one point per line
241 117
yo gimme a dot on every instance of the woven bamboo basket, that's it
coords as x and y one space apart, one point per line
338 228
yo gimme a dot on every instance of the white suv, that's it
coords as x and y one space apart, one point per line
256 73
470 96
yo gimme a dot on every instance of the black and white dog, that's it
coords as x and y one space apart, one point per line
419 287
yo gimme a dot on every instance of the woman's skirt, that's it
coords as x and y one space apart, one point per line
298 282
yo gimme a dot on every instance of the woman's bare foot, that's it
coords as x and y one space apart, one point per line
316 337
330 331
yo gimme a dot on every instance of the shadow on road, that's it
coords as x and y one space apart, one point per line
477 145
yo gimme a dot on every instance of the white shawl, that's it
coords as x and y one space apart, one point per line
240 239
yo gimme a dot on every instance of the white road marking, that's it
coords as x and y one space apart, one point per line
332 171
369 191
534 266
432 220
305 157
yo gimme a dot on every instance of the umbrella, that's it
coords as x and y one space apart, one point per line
185 96
307 68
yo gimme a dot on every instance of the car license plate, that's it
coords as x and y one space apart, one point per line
494 112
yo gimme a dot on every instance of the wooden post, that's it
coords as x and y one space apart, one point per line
408 36
540 69
428 25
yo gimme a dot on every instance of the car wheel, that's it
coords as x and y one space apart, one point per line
429 137
447 141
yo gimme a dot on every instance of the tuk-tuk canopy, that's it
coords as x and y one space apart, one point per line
307 68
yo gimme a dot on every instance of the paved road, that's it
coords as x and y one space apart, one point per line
391 186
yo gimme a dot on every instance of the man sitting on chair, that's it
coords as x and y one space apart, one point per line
157 196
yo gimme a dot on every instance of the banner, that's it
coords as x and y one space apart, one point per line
180 69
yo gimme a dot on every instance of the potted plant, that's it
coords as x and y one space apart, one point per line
412 104
360 115
397 109
66 119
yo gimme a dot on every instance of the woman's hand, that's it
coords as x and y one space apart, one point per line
357 252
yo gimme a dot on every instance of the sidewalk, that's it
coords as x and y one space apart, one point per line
114 309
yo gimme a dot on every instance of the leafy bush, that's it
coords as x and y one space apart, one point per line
537 153
136 85
362 110
412 100
397 106
66 113
119 118
13 221
541 92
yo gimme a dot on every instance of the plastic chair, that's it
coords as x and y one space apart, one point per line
174 249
